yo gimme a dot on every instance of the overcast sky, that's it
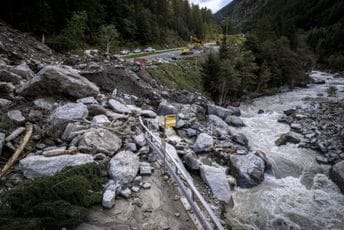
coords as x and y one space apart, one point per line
214 5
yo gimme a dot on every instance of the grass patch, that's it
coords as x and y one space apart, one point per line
183 74
53 202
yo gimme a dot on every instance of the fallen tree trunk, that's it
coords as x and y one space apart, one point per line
18 152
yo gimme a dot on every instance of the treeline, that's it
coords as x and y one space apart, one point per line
136 21
321 22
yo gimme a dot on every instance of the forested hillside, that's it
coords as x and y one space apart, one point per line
320 21
140 22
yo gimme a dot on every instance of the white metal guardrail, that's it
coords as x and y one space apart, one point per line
185 184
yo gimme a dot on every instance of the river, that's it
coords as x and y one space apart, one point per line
297 194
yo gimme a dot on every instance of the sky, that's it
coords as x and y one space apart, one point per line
214 5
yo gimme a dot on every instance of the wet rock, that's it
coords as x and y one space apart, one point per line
16 116
148 114
23 70
145 169
100 141
204 143
124 167
58 80
38 166
264 157
337 174
131 147
284 119
287 138
296 127
260 111
69 112
217 121
219 111
191 161
99 157
7 76
15 134
118 107
322 160
166 109
140 140
234 121
240 139
6 90
2 141
217 181
247 169
289 112
100 120
87 101
235 110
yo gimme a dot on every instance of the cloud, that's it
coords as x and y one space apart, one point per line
214 5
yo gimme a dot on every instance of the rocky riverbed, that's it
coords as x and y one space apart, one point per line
252 164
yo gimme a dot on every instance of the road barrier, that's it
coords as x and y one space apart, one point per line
184 182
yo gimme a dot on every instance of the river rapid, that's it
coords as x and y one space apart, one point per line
297 194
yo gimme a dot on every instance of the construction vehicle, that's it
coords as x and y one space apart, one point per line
195 44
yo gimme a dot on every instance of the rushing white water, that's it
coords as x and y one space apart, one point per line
296 195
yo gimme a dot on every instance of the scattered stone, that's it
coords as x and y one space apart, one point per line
217 181
16 116
218 122
87 101
23 70
109 199
191 161
54 151
337 174
101 120
146 185
4 103
99 157
69 112
146 169
247 169
140 140
235 121
43 104
204 143
289 112
263 156
100 141
166 109
15 134
191 132
7 76
126 193
2 141
285 138
58 81
296 127
240 139
138 181
38 166
131 147
135 189
124 167
148 114
118 107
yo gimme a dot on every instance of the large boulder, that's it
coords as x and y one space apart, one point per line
337 174
219 111
217 181
217 121
203 143
166 109
39 166
100 141
69 112
235 121
59 80
124 167
285 138
248 169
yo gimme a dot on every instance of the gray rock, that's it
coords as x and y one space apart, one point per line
148 114
101 120
7 76
296 127
166 109
16 116
131 147
180 124
118 107
15 134
4 103
38 166
126 193
218 122
99 157
146 185
217 181
247 169
6 90
124 167
289 112
285 138
35 114
71 131
337 174
191 132
109 199
219 111
69 112
54 151
191 161
43 104
2 141
234 121
240 139
59 80
140 140
321 160
145 169
204 143
23 70
87 101
100 141
135 188
138 181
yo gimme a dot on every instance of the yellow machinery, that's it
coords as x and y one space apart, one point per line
195 44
